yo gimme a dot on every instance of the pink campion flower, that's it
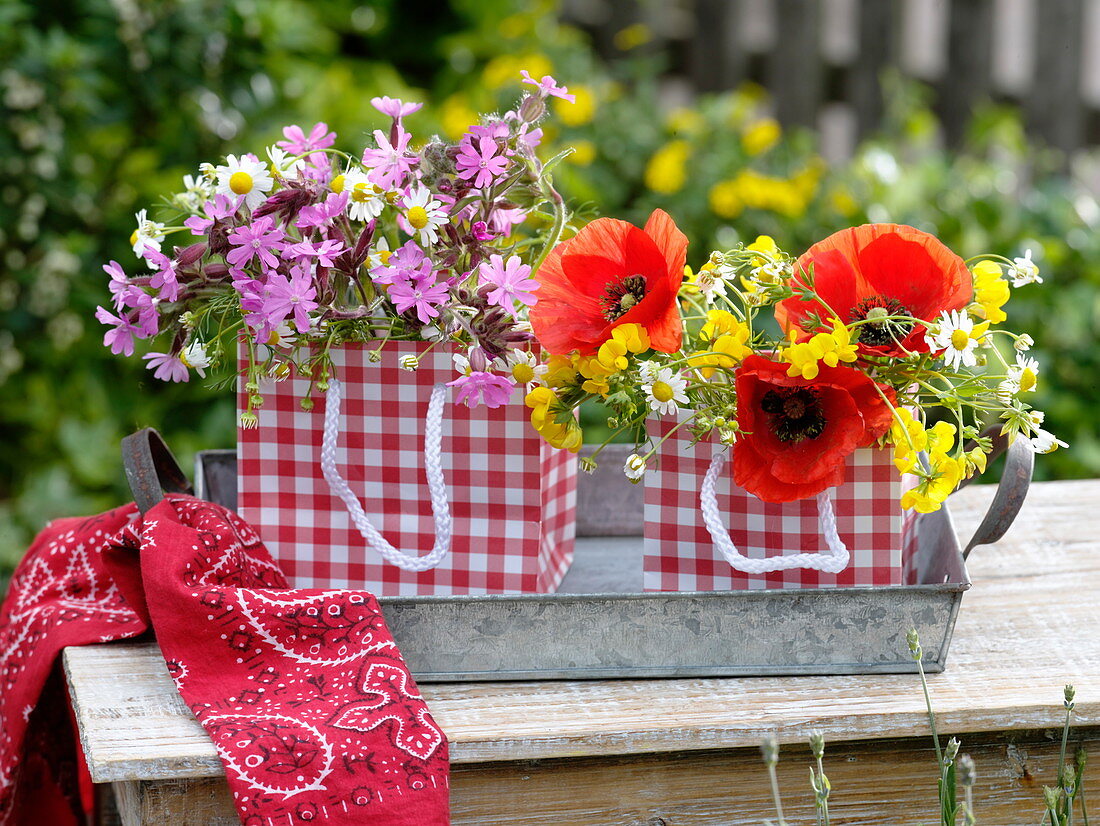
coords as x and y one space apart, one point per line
119 281
406 263
164 275
290 296
120 338
262 238
324 251
395 107
512 282
298 143
390 162
422 293
483 165
216 210
167 367
480 230
482 388
324 213
548 87
495 129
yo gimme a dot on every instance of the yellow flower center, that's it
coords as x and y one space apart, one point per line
274 338
384 256
133 237
361 192
523 372
418 217
240 183
1027 379
662 391
337 184
959 339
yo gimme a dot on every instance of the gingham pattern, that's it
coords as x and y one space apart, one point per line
680 554
513 500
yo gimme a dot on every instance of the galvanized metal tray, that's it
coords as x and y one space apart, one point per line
600 625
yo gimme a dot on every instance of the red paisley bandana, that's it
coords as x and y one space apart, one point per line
303 692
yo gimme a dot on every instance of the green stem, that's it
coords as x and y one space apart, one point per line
560 215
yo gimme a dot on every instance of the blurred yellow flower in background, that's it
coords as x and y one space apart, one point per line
580 111
584 152
666 171
504 70
684 121
632 37
725 200
455 115
761 136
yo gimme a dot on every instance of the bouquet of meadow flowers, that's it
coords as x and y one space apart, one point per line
311 248
883 327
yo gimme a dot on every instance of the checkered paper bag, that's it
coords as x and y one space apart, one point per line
388 485
703 533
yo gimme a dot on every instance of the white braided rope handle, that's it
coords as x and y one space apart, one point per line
833 562
433 468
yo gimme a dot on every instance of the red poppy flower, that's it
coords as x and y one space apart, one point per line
797 432
880 270
611 273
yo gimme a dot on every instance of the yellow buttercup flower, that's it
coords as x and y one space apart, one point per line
765 244
761 136
666 171
626 338
932 491
909 438
561 371
829 348
564 435
991 291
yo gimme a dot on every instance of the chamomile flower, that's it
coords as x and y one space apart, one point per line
665 391
365 200
283 163
194 355
1024 271
525 368
244 176
1024 373
634 467
379 255
956 335
1045 442
196 191
148 235
424 215
1023 343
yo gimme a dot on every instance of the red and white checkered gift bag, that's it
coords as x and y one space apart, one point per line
683 554
504 510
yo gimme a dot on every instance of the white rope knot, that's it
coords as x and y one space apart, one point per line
433 469
833 562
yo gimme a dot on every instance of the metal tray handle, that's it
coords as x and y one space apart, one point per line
1011 491
151 469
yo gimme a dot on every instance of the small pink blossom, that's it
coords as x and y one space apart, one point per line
406 263
512 281
324 213
483 165
220 208
298 143
124 329
480 230
119 282
290 296
164 279
548 87
482 388
395 107
422 293
324 251
262 238
167 367
390 163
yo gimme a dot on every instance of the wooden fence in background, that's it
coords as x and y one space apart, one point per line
819 58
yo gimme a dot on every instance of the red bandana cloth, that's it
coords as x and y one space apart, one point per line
303 692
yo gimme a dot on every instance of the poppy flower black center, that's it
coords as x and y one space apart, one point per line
620 296
881 329
794 414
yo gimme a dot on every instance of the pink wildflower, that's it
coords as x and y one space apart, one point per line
324 251
298 143
512 281
394 107
548 87
482 388
422 293
406 263
119 281
164 279
290 296
261 239
323 214
221 207
390 162
483 166
167 367
120 338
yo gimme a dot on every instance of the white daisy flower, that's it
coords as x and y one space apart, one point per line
147 236
194 356
365 200
1023 343
634 467
462 364
379 254
196 191
664 390
280 339
245 176
1024 373
647 369
958 338
1045 442
525 369
424 214
283 162
1024 271
409 362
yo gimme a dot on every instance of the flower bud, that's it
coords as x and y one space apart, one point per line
965 771
817 744
588 464
374 356
914 643
306 404
532 109
409 362
770 749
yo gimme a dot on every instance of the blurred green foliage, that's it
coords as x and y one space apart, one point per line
105 104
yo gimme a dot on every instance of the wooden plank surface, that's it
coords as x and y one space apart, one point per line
1024 630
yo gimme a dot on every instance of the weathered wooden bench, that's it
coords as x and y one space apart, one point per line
684 752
